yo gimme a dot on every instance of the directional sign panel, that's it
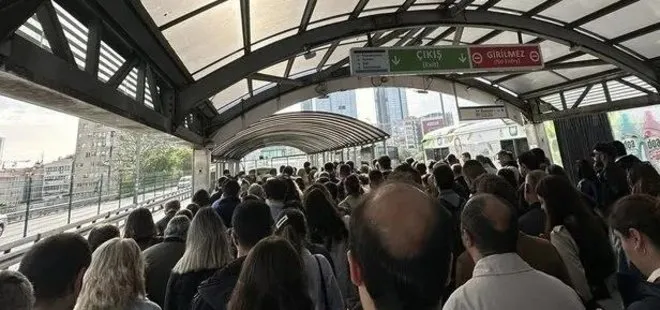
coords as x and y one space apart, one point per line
445 59
481 113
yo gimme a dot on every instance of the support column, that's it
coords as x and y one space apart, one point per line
373 152
537 137
201 178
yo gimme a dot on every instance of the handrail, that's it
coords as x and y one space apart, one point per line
11 255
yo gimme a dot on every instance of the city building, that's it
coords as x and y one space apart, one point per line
93 158
343 102
391 106
57 178
19 185
433 121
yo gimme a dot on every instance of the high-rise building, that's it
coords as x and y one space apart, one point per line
343 102
93 157
57 178
391 106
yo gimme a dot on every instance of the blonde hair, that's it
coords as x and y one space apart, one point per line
206 244
115 277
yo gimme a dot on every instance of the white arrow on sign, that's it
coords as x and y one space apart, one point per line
396 60
462 58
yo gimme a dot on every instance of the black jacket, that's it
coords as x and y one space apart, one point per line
532 222
160 260
162 224
214 293
639 295
181 288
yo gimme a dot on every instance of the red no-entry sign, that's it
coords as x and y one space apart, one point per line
520 56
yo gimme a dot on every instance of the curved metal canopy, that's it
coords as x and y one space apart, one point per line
311 132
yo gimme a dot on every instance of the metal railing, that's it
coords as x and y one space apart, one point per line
11 253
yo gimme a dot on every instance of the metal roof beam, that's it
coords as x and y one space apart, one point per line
289 47
275 79
576 83
548 67
616 105
53 31
15 13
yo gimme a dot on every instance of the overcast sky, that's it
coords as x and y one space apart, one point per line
30 131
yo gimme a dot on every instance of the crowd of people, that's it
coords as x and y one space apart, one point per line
448 234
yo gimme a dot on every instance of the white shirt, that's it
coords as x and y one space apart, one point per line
561 238
507 282
655 275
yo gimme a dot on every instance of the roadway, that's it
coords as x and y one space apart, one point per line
14 231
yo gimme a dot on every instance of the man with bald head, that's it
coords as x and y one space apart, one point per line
400 248
501 278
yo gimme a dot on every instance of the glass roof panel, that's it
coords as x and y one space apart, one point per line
198 40
580 72
437 32
471 34
382 3
508 37
432 1
646 45
430 6
532 81
329 8
519 5
552 50
300 64
378 11
276 69
343 50
636 15
210 68
571 10
268 17
230 94
164 11
326 22
274 39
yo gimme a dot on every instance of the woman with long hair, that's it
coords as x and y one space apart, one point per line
327 228
272 278
353 192
115 279
292 192
580 237
207 250
321 281
140 227
644 179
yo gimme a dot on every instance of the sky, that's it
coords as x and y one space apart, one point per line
31 132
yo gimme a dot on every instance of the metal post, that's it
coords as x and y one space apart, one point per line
120 196
136 186
73 169
98 209
385 148
27 205
373 151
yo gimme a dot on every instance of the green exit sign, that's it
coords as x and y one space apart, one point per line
420 60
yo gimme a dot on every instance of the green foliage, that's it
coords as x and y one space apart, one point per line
155 155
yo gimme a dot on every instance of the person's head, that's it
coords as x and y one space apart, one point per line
457 169
251 222
509 174
644 179
364 169
172 206
619 148
344 171
604 153
16 292
177 227
375 178
385 163
55 266
528 162
292 226
193 207
421 168
115 278
406 173
300 183
400 248
351 165
101 233
488 226
505 157
221 181
492 184
452 160
374 163
466 156
226 172
333 189
329 168
275 189
272 277
584 169
556 170
272 172
322 216
185 212
352 185
471 170
444 177
307 165
202 198
292 192
288 171
231 189
560 200
636 221
531 183
539 153
257 190
207 245
140 225
282 169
